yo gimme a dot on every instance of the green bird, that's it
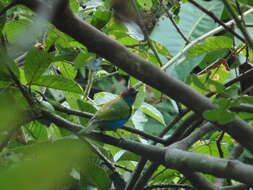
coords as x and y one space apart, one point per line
114 114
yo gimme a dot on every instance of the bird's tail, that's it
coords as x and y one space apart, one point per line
92 125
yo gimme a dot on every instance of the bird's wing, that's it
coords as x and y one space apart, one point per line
114 110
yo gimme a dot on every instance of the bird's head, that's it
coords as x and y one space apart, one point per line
129 95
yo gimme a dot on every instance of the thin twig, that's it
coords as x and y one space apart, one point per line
239 24
136 174
167 185
144 135
123 168
218 143
89 83
145 32
174 23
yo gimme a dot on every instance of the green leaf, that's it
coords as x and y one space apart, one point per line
103 97
82 59
58 82
193 23
15 29
66 69
246 99
139 119
221 116
182 70
211 149
145 4
86 107
100 18
36 63
139 98
198 83
36 131
210 44
47 106
74 5
50 161
225 103
124 155
54 132
152 112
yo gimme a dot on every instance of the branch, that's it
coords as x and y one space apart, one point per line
140 184
61 122
235 187
170 157
136 66
243 108
195 162
179 131
151 152
201 38
144 135
167 185
185 143
239 24
89 115
137 174
72 111
198 181
174 23
174 122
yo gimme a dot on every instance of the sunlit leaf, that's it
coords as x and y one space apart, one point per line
152 112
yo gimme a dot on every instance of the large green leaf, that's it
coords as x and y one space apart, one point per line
36 131
210 44
139 119
66 69
152 112
58 82
193 24
51 162
220 116
15 29
36 63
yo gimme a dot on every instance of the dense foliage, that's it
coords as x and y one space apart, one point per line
54 78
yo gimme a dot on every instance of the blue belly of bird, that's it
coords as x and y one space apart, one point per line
113 125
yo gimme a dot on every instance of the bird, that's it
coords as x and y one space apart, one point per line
114 114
